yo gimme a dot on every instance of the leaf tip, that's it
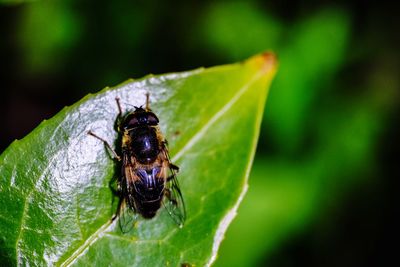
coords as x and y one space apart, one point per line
266 62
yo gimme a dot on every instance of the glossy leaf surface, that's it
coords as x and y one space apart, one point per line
55 198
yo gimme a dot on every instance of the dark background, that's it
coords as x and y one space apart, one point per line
323 187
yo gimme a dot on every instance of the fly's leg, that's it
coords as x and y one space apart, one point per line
165 150
169 178
120 202
117 192
119 208
147 101
173 167
119 107
118 121
106 144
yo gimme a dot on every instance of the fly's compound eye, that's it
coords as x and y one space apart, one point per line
131 121
139 119
152 119
146 118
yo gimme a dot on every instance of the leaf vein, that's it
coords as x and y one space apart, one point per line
26 203
192 141
21 227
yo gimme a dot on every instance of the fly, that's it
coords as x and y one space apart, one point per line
148 178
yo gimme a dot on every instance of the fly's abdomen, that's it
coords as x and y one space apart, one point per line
149 191
145 144
148 209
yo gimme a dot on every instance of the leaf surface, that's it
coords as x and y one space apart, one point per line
55 198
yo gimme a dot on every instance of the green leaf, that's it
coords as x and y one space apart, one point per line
317 44
56 203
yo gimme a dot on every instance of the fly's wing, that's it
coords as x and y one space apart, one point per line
126 210
173 201
126 218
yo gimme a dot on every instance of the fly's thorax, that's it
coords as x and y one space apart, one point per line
143 143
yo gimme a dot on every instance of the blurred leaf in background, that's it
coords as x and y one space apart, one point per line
310 51
48 31
238 28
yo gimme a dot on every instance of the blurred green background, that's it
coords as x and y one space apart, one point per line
323 187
